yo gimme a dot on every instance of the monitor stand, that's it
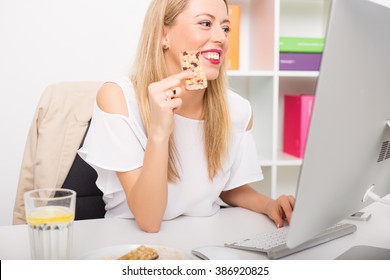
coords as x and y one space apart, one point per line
364 252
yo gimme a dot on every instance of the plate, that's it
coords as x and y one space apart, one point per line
114 252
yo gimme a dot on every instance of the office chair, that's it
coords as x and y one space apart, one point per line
50 158
82 179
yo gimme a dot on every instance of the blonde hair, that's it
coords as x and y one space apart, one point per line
150 66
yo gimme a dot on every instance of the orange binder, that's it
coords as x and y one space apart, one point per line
234 38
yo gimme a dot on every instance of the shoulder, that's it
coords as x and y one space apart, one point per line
240 111
112 97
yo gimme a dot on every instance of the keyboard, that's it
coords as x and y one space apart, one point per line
274 242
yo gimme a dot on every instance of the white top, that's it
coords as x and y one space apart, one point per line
117 143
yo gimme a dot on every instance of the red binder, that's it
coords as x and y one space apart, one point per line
297 113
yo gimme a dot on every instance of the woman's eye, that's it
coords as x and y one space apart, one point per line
205 23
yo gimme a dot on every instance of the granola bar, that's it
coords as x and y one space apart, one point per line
190 62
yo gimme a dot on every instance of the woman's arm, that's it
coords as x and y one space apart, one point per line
146 188
277 210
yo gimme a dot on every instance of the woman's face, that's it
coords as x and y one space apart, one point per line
202 26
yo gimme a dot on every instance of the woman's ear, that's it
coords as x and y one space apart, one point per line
165 46
164 38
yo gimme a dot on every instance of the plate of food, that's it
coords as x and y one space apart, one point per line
135 252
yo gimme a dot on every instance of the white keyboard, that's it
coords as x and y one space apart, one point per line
274 242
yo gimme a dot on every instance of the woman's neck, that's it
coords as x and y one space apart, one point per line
192 105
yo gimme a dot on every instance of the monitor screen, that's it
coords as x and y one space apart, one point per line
348 144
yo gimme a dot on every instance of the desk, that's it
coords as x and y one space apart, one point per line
186 233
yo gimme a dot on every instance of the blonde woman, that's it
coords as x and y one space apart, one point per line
161 150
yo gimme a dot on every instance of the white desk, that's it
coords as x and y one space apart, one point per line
186 233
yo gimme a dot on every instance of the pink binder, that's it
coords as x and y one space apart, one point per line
297 113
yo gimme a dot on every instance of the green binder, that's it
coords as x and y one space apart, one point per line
301 45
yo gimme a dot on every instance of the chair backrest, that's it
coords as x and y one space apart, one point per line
50 157
82 179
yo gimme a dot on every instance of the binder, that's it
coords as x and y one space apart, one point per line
234 38
301 45
297 114
300 61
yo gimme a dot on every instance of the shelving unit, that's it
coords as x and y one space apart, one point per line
260 81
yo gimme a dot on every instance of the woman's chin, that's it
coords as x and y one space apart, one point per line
212 75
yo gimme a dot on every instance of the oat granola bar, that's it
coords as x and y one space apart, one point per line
190 62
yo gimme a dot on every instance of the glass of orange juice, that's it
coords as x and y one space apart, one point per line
50 214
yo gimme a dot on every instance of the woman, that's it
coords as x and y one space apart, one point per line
161 150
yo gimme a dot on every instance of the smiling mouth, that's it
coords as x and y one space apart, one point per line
212 56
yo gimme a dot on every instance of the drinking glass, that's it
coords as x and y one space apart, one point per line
50 214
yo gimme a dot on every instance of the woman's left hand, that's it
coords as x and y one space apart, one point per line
280 209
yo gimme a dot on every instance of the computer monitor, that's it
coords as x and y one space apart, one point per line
348 144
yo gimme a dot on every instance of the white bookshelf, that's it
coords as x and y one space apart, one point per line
259 79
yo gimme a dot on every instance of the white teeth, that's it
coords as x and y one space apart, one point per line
211 55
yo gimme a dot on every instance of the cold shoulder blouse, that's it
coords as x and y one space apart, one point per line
117 143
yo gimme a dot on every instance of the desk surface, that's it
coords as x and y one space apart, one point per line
186 233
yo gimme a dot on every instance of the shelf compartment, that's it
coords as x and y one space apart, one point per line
292 86
303 18
259 92
287 180
257 34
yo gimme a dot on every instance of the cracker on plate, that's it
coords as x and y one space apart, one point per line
140 253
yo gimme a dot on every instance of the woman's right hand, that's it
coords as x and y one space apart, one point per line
164 98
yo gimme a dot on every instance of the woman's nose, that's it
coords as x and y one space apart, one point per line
219 35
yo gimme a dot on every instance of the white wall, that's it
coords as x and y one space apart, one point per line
46 41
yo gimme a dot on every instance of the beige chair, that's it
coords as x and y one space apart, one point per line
50 158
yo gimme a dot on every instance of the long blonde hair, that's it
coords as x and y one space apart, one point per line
150 66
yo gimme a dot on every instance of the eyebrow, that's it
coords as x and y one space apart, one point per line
213 17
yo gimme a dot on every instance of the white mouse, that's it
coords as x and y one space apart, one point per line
216 253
